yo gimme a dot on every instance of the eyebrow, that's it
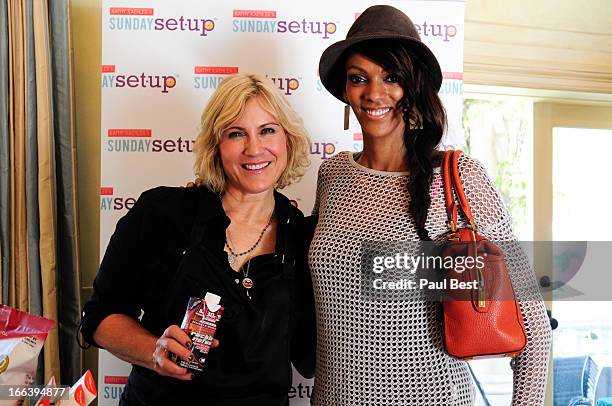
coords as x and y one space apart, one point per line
263 125
270 123
355 67
363 71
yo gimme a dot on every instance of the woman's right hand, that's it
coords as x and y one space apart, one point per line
176 341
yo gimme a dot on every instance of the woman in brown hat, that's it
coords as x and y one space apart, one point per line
390 352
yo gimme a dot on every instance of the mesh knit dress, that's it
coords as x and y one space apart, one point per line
385 353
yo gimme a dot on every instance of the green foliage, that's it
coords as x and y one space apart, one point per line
503 124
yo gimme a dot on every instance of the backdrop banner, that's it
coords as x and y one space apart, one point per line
162 60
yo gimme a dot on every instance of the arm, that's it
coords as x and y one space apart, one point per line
494 222
110 316
319 194
304 339
117 284
138 346
135 344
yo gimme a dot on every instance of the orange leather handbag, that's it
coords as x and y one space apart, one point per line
485 322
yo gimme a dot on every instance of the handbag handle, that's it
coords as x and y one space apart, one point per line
452 181
451 207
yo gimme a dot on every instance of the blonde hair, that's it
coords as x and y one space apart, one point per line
225 106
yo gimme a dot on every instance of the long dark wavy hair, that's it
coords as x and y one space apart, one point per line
424 118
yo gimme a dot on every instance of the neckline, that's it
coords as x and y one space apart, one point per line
351 157
357 165
256 259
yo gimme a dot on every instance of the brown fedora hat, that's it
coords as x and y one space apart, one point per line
377 22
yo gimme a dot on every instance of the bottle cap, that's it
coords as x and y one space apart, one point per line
212 300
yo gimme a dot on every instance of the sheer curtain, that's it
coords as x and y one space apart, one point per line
38 207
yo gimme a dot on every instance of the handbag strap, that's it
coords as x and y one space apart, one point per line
452 182
451 206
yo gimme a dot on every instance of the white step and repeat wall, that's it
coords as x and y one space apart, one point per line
163 59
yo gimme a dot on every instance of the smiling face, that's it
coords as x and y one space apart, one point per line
374 95
253 150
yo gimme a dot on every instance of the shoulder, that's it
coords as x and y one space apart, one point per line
302 227
485 199
175 196
171 205
472 171
338 161
469 164
477 184
169 194
284 206
341 158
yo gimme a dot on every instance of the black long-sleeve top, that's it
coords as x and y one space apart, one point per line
169 247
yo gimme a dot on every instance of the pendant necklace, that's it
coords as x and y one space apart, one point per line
231 257
247 282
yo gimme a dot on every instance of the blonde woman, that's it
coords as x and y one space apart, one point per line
235 236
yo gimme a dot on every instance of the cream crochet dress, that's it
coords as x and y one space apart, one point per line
385 353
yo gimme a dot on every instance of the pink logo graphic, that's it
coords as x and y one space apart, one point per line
209 77
131 11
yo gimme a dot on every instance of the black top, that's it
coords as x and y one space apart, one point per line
169 247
